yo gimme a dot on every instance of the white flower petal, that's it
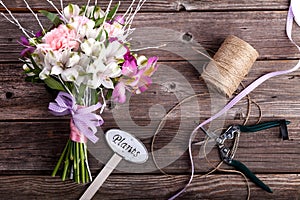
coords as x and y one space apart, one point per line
71 10
70 74
56 70
73 60
44 74
107 83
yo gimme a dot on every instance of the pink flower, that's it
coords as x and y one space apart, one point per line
118 94
60 38
135 79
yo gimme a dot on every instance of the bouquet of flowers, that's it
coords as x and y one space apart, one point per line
84 55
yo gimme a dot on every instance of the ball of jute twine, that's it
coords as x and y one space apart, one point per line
229 66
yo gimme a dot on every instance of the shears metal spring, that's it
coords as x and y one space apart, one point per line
233 133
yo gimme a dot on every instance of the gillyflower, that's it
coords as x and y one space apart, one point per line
59 38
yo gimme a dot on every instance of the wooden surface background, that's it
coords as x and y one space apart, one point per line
32 139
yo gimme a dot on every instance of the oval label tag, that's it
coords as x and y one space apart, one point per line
295 8
127 146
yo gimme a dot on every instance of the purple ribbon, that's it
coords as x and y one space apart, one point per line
83 118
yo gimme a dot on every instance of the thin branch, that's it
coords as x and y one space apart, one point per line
35 15
60 13
62 5
16 21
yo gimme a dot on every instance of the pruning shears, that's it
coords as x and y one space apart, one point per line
233 132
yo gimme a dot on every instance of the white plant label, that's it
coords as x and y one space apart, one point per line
125 146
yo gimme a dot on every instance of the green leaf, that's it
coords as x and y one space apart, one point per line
54 18
113 12
99 22
54 84
109 94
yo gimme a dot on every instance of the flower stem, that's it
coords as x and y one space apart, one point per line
82 159
60 159
74 162
77 163
66 166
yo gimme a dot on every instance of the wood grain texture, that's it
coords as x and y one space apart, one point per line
206 28
229 186
168 5
277 97
34 147
32 139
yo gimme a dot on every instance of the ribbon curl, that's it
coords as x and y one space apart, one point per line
83 118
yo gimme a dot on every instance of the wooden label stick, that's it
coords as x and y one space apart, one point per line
125 146
102 176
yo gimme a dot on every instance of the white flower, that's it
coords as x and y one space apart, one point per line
113 52
94 12
64 60
102 74
71 10
105 67
142 61
28 67
114 30
91 47
60 63
49 62
81 67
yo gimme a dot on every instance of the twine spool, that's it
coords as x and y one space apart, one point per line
229 65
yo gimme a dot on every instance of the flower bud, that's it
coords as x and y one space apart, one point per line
71 10
142 61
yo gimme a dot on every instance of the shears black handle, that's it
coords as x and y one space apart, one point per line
242 168
262 126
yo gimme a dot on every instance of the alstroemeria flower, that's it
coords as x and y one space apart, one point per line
91 47
102 74
114 30
60 63
119 92
120 19
113 52
136 78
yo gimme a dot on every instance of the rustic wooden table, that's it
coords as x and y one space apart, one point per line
32 139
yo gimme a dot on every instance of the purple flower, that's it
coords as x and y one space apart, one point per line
135 78
29 49
119 19
39 34
118 94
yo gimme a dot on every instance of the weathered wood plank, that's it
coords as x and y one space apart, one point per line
263 29
34 147
168 5
278 97
285 186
